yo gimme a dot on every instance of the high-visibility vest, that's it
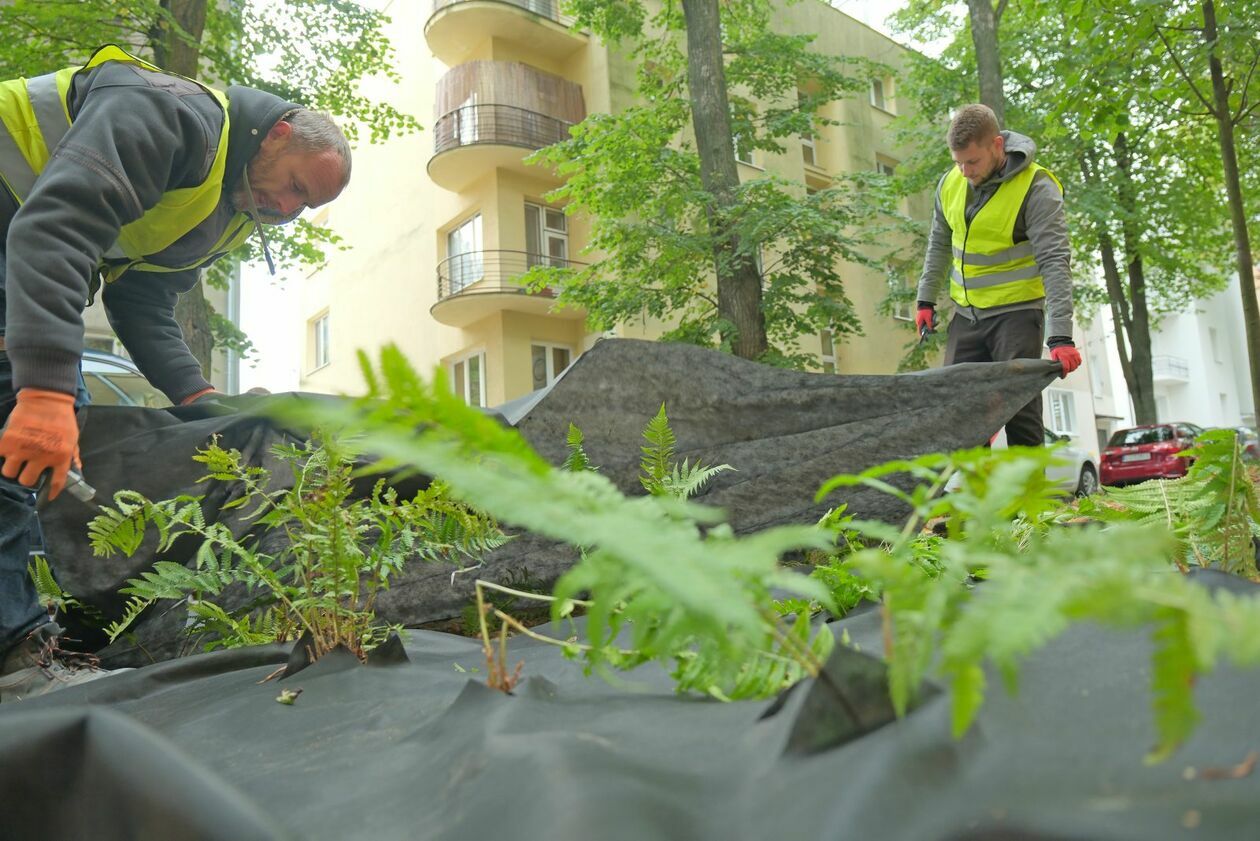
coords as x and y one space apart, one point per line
990 268
36 115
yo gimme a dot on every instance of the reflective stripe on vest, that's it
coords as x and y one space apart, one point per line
36 117
991 269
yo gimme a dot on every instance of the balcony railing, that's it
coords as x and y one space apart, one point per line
1170 369
549 9
483 272
500 125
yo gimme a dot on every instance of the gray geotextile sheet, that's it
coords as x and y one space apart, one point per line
419 748
784 432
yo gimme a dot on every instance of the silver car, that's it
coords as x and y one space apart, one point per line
1077 474
114 381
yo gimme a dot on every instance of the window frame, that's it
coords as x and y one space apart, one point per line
549 361
480 355
321 340
1067 400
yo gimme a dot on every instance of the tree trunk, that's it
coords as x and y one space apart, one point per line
182 55
1237 210
1139 326
1134 350
984 29
738 280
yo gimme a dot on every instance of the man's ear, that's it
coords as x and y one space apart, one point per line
999 143
278 136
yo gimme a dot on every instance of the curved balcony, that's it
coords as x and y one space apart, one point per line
476 284
475 139
458 26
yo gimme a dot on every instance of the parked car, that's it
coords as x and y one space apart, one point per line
1077 474
1249 440
115 381
1147 452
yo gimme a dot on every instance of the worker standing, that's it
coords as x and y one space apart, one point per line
122 179
999 231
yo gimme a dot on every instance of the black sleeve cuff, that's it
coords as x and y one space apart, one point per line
928 304
1060 341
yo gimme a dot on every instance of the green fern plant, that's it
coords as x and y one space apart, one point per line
341 550
1212 511
662 475
661 579
1039 577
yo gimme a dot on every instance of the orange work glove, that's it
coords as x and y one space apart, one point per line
41 434
1067 356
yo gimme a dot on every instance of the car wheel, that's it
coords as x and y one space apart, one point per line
1088 483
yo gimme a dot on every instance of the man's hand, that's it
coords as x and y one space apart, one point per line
1066 354
42 434
923 320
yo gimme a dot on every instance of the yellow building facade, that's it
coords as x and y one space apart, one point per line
441 223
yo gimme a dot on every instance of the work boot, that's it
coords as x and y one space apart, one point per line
37 665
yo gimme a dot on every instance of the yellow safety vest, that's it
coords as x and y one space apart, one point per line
990 268
36 114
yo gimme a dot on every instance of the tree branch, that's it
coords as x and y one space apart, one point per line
1183 72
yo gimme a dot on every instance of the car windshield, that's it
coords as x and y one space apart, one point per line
113 385
1144 435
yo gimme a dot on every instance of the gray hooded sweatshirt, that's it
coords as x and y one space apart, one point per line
136 134
1040 222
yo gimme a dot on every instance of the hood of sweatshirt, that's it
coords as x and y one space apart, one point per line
251 114
1020 150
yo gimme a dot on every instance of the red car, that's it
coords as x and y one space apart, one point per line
1147 452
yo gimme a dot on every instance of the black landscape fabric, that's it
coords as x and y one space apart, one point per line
198 748
784 432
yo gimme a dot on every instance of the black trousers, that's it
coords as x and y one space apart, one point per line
1012 335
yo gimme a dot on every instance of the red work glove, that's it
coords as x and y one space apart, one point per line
923 319
42 434
1067 356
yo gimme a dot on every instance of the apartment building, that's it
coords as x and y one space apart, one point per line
443 222
1198 362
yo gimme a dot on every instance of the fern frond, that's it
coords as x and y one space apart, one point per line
658 454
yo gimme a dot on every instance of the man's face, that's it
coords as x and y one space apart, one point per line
286 182
981 159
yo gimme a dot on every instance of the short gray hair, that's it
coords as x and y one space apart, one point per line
315 131
972 124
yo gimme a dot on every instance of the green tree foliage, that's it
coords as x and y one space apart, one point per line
341 549
663 236
312 53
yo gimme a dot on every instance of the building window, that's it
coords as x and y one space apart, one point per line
885 166
1216 348
828 355
808 152
882 94
743 148
468 378
464 253
546 236
1062 412
549 362
320 342
904 308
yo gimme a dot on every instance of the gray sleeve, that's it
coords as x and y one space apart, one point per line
141 309
940 253
1047 231
126 147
